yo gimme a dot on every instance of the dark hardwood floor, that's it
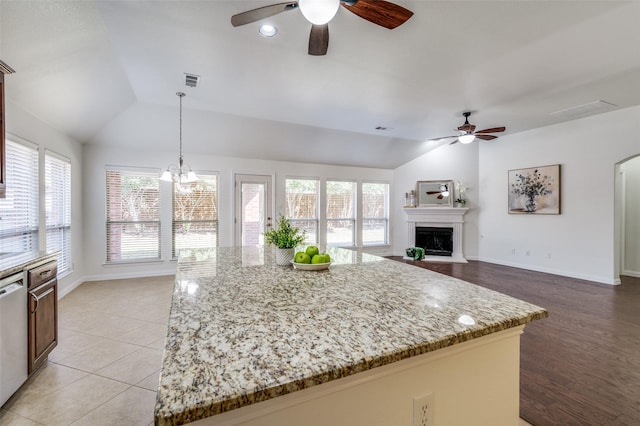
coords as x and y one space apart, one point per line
580 366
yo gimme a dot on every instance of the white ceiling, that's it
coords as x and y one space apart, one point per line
106 72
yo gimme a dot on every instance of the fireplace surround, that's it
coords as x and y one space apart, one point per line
438 217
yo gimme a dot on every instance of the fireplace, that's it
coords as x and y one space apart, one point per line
435 241
439 221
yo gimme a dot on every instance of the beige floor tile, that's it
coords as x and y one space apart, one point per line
132 407
158 344
8 418
69 403
145 335
133 367
48 379
99 356
150 382
71 343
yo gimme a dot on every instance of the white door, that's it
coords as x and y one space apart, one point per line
253 209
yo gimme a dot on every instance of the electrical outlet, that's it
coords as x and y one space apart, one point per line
527 253
548 255
423 410
513 251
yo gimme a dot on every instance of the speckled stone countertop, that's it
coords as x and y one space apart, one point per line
18 263
243 330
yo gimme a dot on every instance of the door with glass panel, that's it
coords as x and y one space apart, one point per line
253 209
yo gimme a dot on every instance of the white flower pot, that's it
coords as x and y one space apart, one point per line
284 256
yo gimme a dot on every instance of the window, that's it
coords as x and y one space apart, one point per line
133 215
302 205
195 214
341 218
375 213
19 209
57 175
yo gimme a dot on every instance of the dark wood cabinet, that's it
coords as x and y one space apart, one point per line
43 313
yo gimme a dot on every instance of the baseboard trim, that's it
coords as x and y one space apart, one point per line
599 280
66 288
635 274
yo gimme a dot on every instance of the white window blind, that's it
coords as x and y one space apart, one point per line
341 213
375 213
57 172
133 215
19 209
195 214
302 206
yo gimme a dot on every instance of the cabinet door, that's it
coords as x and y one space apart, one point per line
3 172
43 323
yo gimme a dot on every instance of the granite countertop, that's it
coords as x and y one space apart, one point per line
16 263
244 330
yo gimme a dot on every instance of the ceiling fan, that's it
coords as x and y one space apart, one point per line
320 12
468 133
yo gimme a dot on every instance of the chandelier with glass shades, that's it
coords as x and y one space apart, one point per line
175 173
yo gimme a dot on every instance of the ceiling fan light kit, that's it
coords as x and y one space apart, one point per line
319 12
468 138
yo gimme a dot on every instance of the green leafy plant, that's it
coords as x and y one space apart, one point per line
285 235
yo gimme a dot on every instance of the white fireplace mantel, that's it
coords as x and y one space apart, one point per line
438 217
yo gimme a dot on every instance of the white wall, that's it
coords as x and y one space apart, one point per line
96 157
579 242
22 124
631 225
448 162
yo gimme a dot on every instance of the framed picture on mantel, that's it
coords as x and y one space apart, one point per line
434 193
535 190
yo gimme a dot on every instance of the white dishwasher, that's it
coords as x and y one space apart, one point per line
13 335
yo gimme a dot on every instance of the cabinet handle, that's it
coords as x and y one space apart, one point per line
45 273
37 302
41 296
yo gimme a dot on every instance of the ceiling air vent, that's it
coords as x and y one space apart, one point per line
5 69
191 80
591 108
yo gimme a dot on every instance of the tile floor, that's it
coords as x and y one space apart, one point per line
106 366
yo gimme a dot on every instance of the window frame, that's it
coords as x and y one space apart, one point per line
62 183
141 172
298 221
353 219
215 222
385 218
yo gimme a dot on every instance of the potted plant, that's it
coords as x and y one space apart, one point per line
286 238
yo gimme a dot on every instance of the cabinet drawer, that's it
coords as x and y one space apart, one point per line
42 274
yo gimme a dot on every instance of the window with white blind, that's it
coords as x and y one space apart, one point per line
375 213
57 194
302 198
341 213
133 215
195 214
19 208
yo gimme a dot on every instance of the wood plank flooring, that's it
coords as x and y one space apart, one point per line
580 366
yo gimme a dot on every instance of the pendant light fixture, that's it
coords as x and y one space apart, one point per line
176 173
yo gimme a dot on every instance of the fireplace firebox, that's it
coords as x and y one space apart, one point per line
435 241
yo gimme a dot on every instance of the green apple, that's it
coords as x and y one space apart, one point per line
327 258
302 257
318 258
312 251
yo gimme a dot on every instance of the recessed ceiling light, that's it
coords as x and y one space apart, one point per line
267 30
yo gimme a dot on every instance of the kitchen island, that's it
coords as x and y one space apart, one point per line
250 342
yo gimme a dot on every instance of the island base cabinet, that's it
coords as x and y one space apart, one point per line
472 383
43 316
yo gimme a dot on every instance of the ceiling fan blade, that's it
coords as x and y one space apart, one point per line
469 128
319 40
485 137
454 142
380 12
261 13
492 130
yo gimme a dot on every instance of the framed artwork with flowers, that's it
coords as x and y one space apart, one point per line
535 190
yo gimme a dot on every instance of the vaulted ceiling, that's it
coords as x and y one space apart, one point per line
106 72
